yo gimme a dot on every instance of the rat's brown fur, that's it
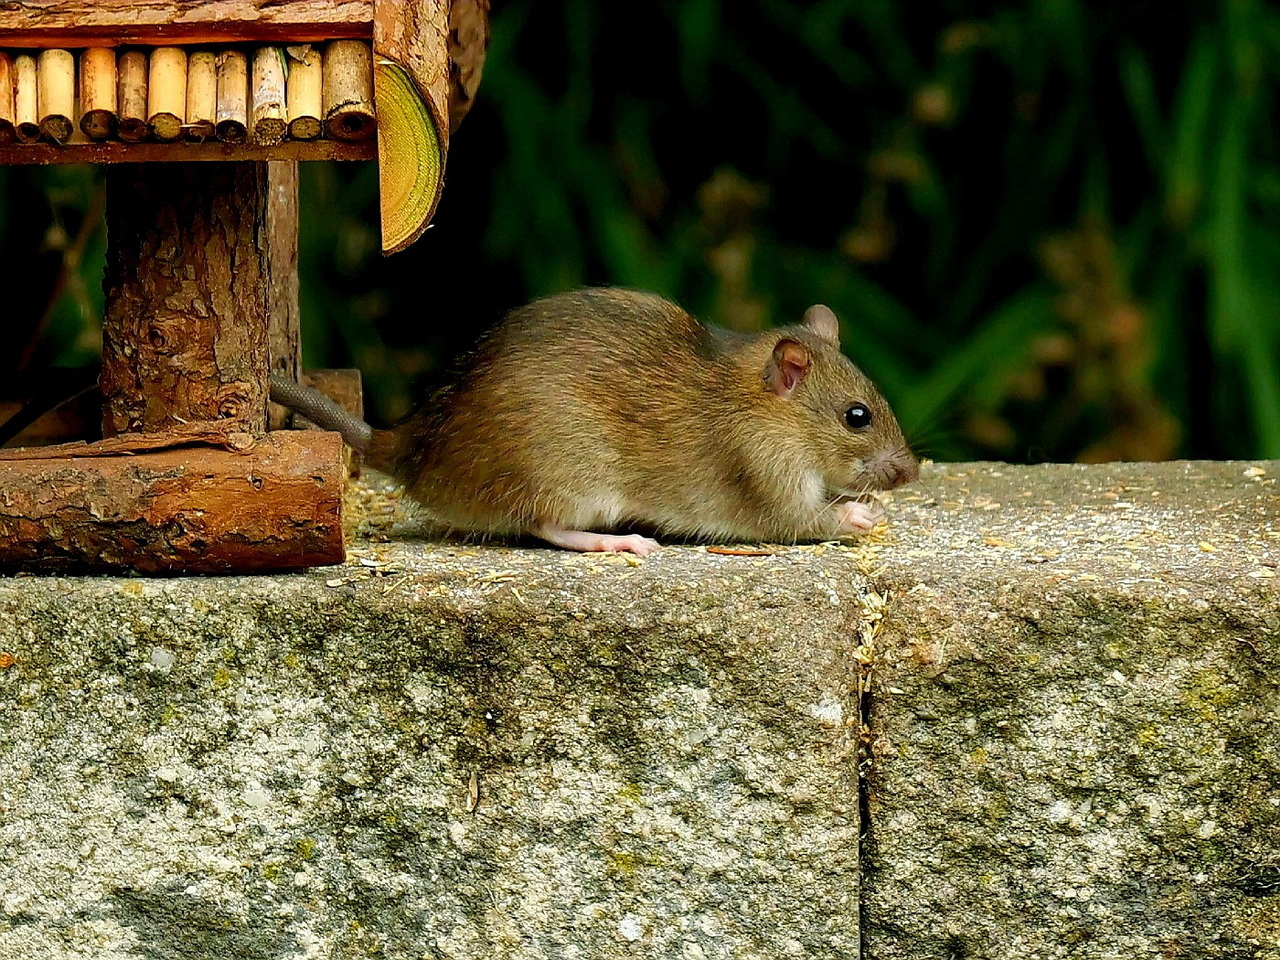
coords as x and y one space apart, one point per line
607 408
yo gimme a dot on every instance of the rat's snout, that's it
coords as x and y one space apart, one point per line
894 468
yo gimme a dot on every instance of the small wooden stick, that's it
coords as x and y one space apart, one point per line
26 102
56 94
98 81
167 92
348 90
306 72
202 95
233 97
131 96
7 133
268 96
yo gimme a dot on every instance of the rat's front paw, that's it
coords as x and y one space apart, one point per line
856 517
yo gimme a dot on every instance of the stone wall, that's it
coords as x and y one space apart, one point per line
1063 682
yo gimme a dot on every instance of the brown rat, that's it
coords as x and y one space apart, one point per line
601 409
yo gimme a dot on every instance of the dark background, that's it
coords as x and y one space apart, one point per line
1051 230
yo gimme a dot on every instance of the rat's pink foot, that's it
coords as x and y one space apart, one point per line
854 516
589 542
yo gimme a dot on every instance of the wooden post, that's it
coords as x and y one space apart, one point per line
189 280
284 335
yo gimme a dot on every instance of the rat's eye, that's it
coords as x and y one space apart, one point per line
858 417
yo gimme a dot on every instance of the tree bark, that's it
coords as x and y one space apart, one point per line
273 505
468 44
83 23
188 303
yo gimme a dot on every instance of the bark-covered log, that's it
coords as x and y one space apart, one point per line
41 154
188 296
468 43
273 504
80 23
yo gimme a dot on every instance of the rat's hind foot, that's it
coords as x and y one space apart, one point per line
589 542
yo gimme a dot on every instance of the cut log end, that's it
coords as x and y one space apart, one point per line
410 157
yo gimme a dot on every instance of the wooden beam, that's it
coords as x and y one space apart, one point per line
266 504
209 150
284 317
87 23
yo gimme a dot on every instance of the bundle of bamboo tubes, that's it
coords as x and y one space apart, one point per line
260 95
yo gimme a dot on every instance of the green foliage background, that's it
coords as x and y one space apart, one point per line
1051 229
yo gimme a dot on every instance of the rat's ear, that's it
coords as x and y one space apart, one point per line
787 367
819 320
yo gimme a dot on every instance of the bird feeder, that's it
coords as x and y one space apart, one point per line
202 110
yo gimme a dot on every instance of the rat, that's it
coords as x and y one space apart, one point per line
598 410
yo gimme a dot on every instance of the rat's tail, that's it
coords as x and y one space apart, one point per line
322 411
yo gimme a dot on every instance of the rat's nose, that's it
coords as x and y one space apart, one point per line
907 468
896 468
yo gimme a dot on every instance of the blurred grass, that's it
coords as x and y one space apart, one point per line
1051 230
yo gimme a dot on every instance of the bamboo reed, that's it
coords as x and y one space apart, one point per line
26 114
167 92
348 90
131 99
233 97
304 92
56 94
269 123
7 132
202 95
98 82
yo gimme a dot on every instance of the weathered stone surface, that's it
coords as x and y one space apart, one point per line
660 757
1076 716
1074 743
